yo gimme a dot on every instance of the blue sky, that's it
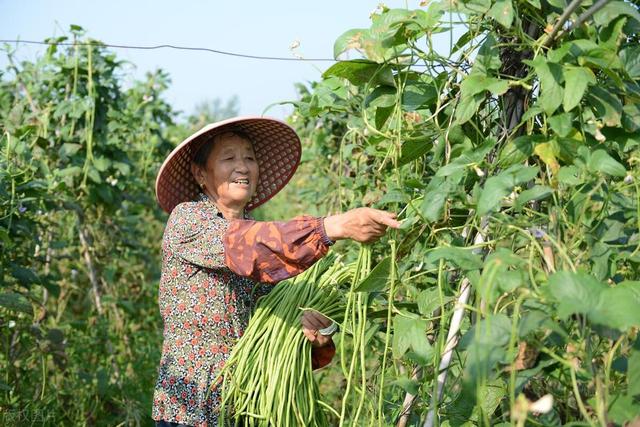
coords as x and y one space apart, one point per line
250 27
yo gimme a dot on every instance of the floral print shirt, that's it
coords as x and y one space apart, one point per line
213 272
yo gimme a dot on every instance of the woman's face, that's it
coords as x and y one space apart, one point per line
231 171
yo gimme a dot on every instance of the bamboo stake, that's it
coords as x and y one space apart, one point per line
452 341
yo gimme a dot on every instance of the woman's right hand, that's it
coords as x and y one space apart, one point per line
364 225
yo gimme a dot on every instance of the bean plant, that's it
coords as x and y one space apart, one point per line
80 234
512 160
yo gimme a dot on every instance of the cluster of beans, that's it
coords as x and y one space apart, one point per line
268 380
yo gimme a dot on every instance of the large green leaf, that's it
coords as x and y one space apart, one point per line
16 302
485 343
576 81
434 199
409 331
378 279
633 370
630 58
618 307
478 83
575 292
614 9
607 106
463 258
488 57
613 307
348 40
467 107
601 161
414 148
360 72
498 187
551 77
502 11
537 192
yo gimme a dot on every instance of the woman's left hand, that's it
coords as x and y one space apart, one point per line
312 321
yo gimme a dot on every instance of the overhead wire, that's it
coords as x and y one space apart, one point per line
169 46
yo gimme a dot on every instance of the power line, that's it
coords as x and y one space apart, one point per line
169 46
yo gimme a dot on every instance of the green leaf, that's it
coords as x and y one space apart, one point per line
429 300
474 6
613 9
623 408
419 94
348 40
575 292
607 106
498 187
485 344
16 302
631 117
478 83
408 332
630 58
537 192
561 123
488 57
601 161
407 384
576 81
360 72
101 163
633 370
434 199
550 75
382 96
502 11
518 150
25 276
467 107
618 307
68 149
462 257
378 279
413 149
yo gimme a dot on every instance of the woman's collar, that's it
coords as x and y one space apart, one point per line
206 201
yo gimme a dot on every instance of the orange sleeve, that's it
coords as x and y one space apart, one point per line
274 251
321 356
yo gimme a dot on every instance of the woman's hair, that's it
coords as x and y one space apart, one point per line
202 154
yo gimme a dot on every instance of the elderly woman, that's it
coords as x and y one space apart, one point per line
217 261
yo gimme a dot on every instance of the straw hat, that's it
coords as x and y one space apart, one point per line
275 143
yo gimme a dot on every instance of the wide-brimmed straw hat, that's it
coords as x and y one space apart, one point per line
275 143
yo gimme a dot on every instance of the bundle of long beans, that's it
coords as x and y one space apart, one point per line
268 379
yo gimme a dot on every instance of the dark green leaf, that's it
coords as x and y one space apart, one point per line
633 370
614 9
413 149
360 72
601 161
485 344
16 302
576 81
488 57
575 292
607 105
537 192
378 279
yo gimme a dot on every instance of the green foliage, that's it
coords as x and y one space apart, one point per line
527 139
79 233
